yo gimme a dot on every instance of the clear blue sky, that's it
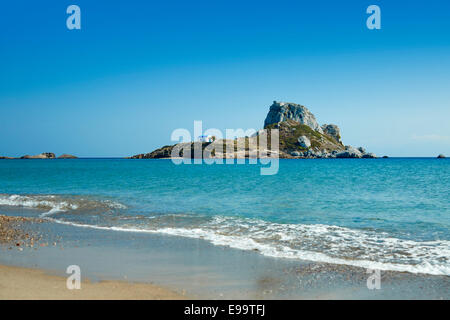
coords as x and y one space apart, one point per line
137 70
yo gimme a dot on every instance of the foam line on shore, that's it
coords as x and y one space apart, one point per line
245 243
372 249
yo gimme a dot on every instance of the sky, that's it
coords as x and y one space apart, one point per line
138 70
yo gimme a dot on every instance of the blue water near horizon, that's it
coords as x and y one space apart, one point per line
392 214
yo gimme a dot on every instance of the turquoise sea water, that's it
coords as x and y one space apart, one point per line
390 214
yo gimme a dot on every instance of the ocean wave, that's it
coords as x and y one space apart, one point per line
53 204
280 251
311 242
317 243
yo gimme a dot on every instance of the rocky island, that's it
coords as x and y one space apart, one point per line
45 155
67 156
300 136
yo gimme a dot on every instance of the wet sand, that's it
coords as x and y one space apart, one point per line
17 233
29 284
128 265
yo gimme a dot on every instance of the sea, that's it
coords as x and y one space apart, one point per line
387 214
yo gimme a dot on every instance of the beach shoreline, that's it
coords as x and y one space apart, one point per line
17 283
23 283
127 265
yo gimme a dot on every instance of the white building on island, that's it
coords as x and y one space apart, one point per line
206 138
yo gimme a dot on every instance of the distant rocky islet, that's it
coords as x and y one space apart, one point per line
45 155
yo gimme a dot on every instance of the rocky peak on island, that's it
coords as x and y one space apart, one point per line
282 111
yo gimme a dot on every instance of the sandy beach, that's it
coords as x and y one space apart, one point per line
127 265
29 284
25 283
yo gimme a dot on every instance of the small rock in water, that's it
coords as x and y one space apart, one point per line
350 152
369 155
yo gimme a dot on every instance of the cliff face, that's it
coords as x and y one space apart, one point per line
300 136
333 131
283 111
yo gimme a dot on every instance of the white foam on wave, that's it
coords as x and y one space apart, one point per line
318 243
54 203
246 243
48 202
433 262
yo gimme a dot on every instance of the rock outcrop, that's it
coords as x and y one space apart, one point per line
67 156
333 131
349 152
164 152
45 155
282 111
304 142
441 156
